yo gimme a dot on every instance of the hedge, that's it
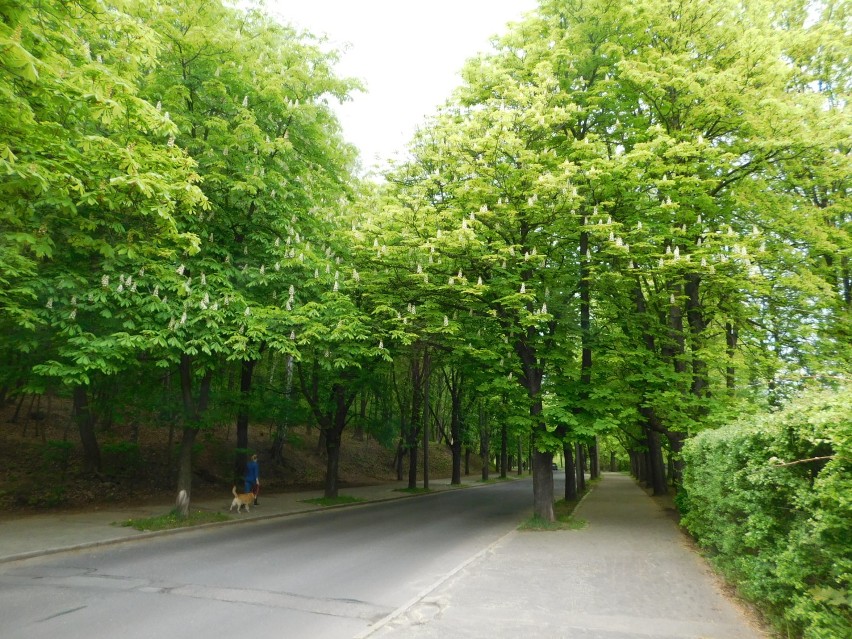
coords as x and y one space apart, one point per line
770 499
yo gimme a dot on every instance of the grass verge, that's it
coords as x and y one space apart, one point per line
413 491
563 511
172 520
333 501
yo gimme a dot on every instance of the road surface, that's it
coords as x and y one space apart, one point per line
329 574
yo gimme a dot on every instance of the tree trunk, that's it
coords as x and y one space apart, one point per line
86 428
676 441
579 468
398 460
453 381
731 336
504 451
467 453
520 457
246 372
697 325
655 458
283 422
427 375
613 465
332 463
542 477
484 444
455 435
594 460
570 472
543 485
416 417
193 413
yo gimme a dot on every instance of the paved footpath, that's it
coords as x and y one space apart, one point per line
629 574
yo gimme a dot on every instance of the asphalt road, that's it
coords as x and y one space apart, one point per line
328 574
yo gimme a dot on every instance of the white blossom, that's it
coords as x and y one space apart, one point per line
247 312
245 100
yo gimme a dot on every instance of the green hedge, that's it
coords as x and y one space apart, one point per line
774 519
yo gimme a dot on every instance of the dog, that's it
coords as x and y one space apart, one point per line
240 500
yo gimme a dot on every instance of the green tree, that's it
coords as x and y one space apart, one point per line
250 100
92 191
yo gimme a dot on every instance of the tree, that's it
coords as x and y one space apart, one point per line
250 99
92 192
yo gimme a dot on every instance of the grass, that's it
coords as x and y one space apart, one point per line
413 491
333 501
563 511
172 520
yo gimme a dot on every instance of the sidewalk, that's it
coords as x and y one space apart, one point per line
629 574
33 535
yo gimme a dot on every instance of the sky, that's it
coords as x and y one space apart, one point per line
408 53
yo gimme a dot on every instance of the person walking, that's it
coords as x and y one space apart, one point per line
253 477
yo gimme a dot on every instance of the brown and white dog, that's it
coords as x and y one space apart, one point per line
240 500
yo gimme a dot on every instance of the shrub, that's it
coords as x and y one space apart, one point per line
770 498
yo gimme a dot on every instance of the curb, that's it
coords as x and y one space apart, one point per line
141 535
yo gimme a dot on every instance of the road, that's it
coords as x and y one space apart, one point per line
329 574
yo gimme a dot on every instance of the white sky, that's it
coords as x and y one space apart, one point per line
407 52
